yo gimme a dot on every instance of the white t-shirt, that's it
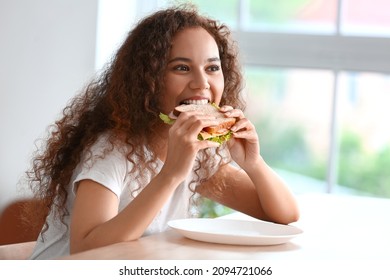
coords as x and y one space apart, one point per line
113 172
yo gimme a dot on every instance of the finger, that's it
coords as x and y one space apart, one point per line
247 135
235 113
204 144
196 121
226 108
242 124
199 121
190 127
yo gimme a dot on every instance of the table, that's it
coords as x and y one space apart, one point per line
335 227
16 251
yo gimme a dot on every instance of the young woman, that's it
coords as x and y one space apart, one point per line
112 171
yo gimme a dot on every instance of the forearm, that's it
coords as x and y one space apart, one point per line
131 222
277 201
138 215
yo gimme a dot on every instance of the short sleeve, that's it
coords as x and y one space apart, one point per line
105 164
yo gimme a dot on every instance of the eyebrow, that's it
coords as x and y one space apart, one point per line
211 59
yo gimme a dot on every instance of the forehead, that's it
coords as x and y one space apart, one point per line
192 40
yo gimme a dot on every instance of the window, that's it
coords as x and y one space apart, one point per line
364 134
367 18
292 116
302 16
317 75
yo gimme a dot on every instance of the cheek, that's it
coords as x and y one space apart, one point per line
174 84
167 99
169 95
172 90
219 86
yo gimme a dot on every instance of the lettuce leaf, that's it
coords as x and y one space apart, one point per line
166 119
219 139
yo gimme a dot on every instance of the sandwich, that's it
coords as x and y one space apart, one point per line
219 133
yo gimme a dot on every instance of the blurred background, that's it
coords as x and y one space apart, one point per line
317 81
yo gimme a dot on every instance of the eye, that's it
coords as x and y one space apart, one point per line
213 68
181 67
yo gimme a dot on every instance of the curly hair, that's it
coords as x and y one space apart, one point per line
124 101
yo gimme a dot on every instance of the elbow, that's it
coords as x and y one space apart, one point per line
285 218
290 214
85 246
294 217
291 217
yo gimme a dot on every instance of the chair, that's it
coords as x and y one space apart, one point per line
13 226
17 236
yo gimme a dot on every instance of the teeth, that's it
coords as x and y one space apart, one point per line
196 102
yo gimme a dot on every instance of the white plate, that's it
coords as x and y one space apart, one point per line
235 232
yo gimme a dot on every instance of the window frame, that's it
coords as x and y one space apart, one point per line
336 52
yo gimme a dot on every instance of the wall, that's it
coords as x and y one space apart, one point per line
47 54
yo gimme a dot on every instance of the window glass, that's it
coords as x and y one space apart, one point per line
307 16
291 112
366 17
292 108
364 136
225 11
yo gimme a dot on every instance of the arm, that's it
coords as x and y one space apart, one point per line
96 221
262 195
255 189
95 218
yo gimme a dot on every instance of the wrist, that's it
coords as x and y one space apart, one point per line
255 166
166 178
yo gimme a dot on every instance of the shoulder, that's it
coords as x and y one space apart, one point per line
104 162
104 149
109 156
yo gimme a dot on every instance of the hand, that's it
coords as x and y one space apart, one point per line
183 143
244 147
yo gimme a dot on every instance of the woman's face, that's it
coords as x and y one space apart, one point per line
194 72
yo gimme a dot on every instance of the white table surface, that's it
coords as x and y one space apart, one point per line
334 227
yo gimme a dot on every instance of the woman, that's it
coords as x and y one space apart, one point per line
112 171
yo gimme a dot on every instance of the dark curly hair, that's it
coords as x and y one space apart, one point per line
124 101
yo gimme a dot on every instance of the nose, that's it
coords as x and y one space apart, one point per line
199 80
